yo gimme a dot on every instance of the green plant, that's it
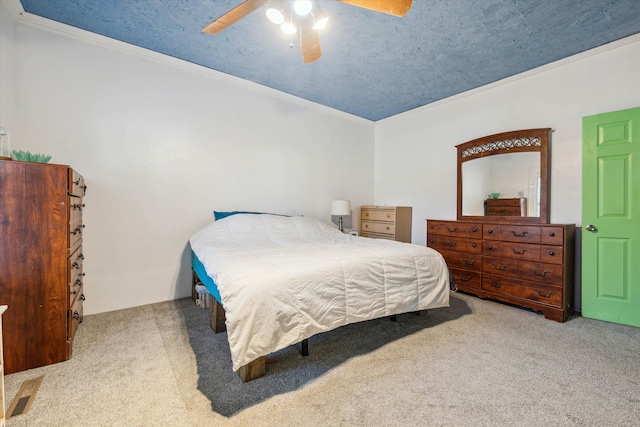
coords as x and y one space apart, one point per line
26 156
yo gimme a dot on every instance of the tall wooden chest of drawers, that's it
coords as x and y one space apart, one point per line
386 222
41 274
527 265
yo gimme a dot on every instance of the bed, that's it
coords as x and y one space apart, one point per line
279 280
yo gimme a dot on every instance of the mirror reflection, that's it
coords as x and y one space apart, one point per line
505 184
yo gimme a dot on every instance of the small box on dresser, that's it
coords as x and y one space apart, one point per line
41 261
529 265
386 222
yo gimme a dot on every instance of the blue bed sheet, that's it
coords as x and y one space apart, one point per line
198 267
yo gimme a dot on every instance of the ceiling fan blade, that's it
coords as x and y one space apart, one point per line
390 7
309 41
234 15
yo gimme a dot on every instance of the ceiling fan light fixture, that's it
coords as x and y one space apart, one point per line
302 7
275 15
319 17
288 27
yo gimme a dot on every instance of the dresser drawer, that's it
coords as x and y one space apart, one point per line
491 231
458 244
75 317
471 279
378 214
552 236
521 289
378 227
552 254
464 261
500 266
447 228
377 235
520 233
523 251
77 186
550 274
74 265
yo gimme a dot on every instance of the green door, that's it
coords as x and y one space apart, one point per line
611 217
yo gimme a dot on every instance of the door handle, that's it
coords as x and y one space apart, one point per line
591 228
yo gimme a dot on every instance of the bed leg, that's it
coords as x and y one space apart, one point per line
420 313
304 349
393 318
217 316
253 370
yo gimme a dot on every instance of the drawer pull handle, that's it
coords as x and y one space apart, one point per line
551 253
469 262
465 279
388 215
519 235
490 247
473 245
74 292
366 214
452 244
490 231
452 230
548 295
495 285
431 241
83 274
552 234
75 265
431 227
518 253
366 226
533 270
77 206
387 227
78 282
76 315
473 230
81 256
82 297
499 268
78 230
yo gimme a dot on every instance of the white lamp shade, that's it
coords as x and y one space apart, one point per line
340 207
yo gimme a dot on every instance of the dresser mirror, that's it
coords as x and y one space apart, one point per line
505 177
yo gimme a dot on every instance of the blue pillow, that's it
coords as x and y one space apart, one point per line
219 215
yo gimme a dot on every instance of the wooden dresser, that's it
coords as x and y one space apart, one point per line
386 222
41 274
529 265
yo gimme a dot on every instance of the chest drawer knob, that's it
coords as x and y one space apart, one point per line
76 315
499 268
551 253
495 285
490 231
75 265
552 234
82 297
74 292
388 227
517 252
473 230
542 294
519 235
431 241
490 247
388 215
533 270
473 245
469 261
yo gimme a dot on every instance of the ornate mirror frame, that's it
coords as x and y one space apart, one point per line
526 140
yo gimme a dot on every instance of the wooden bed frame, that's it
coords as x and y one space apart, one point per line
256 368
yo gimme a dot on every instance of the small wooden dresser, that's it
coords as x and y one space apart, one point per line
41 274
529 265
386 222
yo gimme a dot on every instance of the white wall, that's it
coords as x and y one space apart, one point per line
415 154
162 144
7 43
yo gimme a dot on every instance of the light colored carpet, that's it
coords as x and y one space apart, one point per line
476 363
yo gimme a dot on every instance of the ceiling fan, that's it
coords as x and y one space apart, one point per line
303 16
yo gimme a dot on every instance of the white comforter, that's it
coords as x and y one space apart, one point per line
284 279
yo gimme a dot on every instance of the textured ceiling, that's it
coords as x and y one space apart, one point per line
373 65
